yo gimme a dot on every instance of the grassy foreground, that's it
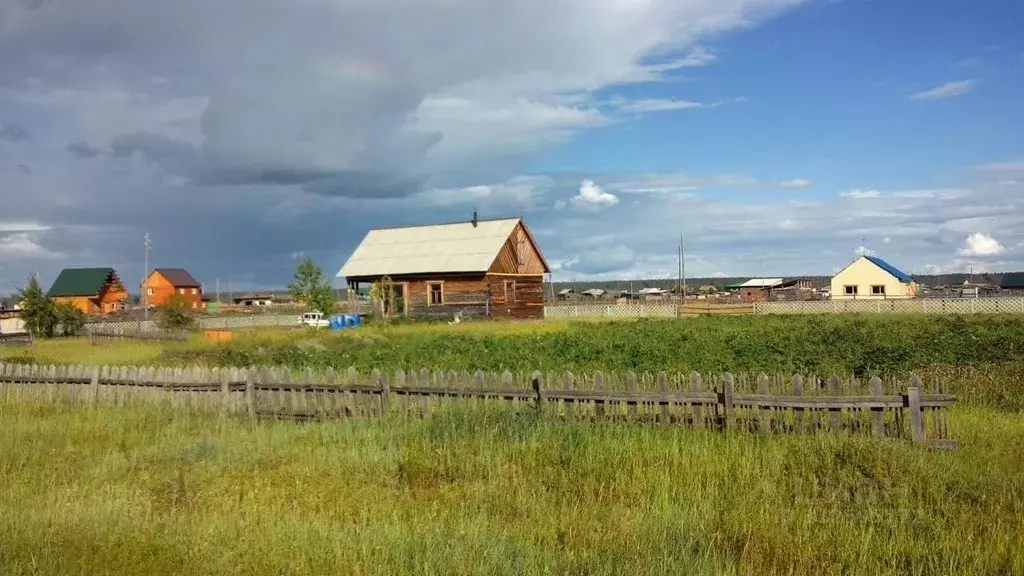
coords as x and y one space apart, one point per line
146 490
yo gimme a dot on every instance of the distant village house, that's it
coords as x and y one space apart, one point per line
479 267
94 291
871 278
164 283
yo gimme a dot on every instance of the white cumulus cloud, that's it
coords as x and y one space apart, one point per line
592 198
981 244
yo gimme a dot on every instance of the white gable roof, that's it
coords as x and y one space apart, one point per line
444 248
761 283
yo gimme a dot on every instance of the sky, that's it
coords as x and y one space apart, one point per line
779 137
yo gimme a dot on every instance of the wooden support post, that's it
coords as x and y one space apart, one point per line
728 413
94 386
250 392
598 386
383 383
797 390
877 414
225 391
698 408
538 386
916 417
567 384
631 408
663 411
835 415
764 420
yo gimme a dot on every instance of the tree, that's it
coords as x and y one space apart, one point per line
175 314
310 287
36 309
71 320
43 317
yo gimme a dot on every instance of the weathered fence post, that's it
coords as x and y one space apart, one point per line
698 408
225 391
381 380
663 410
877 423
631 404
914 405
797 390
570 405
94 386
250 392
835 416
764 421
538 386
728 414
598 386
403 404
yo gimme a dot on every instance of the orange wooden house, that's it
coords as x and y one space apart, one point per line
163 283
91 290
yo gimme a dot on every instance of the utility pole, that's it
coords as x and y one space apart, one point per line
218 291
145 275
682 264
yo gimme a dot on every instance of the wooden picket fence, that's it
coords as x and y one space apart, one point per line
758 403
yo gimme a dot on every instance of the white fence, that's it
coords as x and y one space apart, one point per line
647 310
907 306
239 322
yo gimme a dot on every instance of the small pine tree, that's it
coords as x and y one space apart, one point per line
310 287
38 311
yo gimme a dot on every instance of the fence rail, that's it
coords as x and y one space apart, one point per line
754 403
15 339
642 310
119 334
229 322
1005 305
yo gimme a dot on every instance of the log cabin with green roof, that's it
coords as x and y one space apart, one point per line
94 291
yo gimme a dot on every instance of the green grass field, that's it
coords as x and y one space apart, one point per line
147 489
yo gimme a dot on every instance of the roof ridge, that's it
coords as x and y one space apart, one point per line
517 218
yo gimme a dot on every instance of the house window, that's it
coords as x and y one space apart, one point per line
149 291
181 291
195 291
850 290
510 291
436 293
878 290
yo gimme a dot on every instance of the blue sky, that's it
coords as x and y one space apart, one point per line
781 136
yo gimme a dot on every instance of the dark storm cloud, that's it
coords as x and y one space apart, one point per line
14 133
81 149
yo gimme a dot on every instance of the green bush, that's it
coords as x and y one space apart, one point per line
175 314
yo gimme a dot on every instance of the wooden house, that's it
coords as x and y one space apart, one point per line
479 268
163 283
91 290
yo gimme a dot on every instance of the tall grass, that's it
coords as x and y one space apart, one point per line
145 490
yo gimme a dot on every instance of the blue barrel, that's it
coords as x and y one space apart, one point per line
357 319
